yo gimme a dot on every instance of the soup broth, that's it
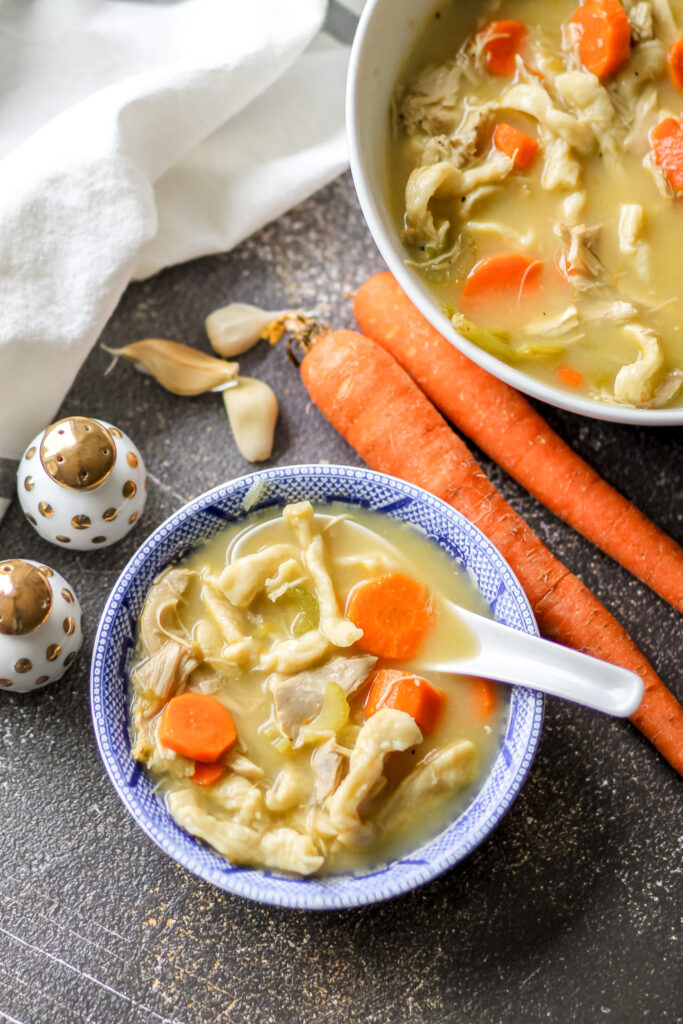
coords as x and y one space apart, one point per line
248 647
596 217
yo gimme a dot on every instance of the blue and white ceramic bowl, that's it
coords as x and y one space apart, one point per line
199 520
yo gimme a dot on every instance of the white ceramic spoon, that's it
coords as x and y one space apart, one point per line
505 655
509 656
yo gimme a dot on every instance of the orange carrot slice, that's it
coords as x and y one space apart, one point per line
522 148
484 698
500 42
196 725
205 774
667 146
395 614
500 280
605 39
571 377
675 62
405 692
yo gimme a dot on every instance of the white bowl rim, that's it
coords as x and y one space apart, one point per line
420 297
299 897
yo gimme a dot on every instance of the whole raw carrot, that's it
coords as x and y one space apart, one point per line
504 425
394 427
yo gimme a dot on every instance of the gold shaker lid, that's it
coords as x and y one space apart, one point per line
78 453
25 597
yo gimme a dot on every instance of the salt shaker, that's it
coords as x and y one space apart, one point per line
40 625
82 483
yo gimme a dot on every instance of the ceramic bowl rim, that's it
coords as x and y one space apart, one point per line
392 252
304 894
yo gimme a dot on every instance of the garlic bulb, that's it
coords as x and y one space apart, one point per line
252 409
179 368
236 328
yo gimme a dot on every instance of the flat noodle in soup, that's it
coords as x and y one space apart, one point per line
536 167
277 697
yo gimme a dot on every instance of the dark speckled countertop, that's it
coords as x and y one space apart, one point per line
569 912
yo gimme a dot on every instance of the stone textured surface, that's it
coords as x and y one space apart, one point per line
569 912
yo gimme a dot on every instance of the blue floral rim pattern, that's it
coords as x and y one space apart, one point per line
202 518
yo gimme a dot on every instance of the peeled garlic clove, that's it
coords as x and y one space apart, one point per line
236 328
252 410
179 368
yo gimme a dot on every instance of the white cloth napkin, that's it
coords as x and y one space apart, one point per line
133 136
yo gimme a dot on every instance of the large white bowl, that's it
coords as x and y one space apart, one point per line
386 34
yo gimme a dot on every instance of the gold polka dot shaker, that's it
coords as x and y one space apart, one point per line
82 483
40 625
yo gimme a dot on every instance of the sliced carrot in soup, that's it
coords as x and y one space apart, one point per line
406 692
605 36
515 144
667 146
500 42
395 613
499 281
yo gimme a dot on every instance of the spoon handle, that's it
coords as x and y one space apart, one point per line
509 656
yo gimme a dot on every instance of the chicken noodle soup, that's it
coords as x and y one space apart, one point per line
537 170
277 698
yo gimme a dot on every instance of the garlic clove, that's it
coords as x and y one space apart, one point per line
179 368
252 409
236 328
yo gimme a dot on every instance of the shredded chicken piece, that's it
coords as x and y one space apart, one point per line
641 19
462 146
165 672
299 698
431 105
338 630
617 312
531 98
295 654
579 263
443 770
159 619
633 383
555 326
327 763
244 766
386 731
